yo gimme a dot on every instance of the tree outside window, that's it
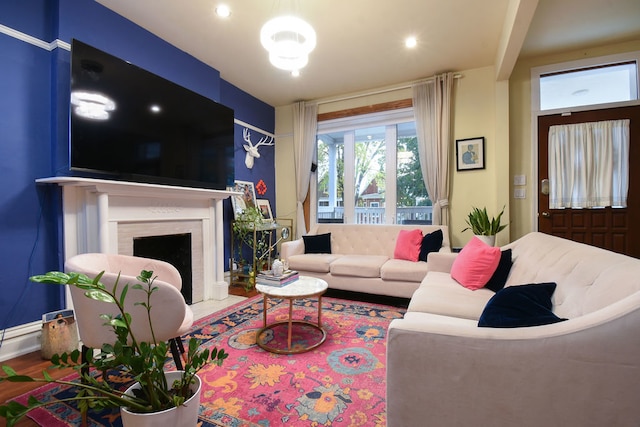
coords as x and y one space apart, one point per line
383 190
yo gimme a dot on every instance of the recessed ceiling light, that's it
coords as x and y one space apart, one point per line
223 11
295 73
410 42
155 108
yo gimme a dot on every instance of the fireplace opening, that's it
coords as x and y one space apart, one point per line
174 249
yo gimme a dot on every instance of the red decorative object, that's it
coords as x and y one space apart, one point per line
261 187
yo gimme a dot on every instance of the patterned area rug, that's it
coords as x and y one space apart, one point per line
339 383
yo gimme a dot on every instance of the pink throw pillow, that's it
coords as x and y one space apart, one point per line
475 264
408 245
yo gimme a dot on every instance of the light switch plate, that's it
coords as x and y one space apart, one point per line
519 180
519 193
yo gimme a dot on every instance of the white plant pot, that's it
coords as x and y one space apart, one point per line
181 416
489 240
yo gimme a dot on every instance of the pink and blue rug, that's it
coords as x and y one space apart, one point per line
339 383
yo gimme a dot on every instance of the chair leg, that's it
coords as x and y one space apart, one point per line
84 371
177 350
84 360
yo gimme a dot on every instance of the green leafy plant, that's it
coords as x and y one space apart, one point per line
479 222
244 227
140 360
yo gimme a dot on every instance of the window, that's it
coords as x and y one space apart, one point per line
368 170
589 82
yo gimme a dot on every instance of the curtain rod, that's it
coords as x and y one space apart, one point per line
379 91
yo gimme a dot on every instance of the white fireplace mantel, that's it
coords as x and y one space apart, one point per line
95 209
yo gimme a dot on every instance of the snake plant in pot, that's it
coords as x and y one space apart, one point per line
140 361
484 227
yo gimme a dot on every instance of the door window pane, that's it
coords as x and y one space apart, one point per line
589 86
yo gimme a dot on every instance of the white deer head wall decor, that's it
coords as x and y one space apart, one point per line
252 150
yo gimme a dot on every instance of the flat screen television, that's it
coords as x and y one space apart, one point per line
130 124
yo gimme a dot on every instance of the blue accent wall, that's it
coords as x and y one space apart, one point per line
262 116
34 129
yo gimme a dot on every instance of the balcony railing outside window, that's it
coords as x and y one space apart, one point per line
404 215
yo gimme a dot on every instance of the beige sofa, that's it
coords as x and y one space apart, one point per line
361 259
444 370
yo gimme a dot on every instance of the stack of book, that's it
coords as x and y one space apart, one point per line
267 278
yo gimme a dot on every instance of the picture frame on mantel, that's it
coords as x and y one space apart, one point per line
470 154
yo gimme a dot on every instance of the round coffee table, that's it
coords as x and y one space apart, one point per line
304 287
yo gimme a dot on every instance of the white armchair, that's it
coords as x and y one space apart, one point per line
170 315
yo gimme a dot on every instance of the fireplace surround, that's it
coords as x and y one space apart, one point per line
106 216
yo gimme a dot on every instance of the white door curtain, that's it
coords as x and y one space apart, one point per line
589 164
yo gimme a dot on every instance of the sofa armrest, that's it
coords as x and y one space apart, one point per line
441 261
581 372
294 247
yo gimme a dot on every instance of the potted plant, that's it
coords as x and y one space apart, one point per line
248 231
142 361
484 227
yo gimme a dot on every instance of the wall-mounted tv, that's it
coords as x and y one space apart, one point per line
130 124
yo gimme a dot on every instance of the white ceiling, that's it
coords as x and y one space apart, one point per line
360 42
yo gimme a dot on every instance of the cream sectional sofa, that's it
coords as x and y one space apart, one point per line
361 258
444 370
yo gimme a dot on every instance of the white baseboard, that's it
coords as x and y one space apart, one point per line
21 340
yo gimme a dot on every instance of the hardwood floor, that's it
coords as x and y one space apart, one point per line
32 364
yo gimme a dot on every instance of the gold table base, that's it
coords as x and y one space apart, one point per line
290 323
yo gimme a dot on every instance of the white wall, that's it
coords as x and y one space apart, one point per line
480 109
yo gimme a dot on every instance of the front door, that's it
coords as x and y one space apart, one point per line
616 229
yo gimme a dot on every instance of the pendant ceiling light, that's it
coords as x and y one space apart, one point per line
289 40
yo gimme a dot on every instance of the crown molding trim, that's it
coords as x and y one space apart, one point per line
19 35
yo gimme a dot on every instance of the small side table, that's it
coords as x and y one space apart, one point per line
304 287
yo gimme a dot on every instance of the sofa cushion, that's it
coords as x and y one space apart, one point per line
358 265
318 263
499 278
475 264
408 245
317 244
405 271
431 242
440 294
518 306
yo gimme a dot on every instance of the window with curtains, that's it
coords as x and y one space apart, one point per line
589 164
368 170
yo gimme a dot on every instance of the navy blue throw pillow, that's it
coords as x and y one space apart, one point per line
499 278
432 242
317 244
518 306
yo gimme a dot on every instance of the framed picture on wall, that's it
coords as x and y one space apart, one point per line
246 199
265 208
470 153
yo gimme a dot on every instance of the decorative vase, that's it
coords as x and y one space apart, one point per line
278 268
489 240
181 416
